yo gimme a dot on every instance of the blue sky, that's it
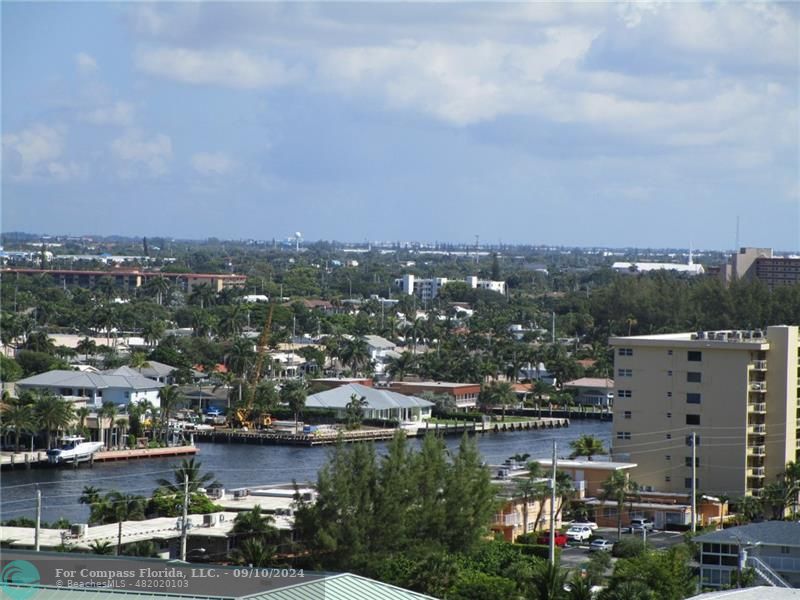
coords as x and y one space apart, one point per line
624 124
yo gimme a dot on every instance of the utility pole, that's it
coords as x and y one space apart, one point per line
553 334
553 510
184 523
694 482
38 519
119 536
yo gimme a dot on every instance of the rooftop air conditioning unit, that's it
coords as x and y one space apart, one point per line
694 336
701 335
747 334
758 334
78 529
210 520
241 493
722 336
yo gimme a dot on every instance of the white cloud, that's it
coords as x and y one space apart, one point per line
85 62
139 154
212 163
119 113
36 154
228 68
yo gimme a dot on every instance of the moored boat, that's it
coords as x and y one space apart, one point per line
74 448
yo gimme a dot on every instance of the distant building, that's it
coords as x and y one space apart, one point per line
132 279
629 268
428 289
761 264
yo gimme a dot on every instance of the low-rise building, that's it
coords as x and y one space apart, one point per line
772 548
93 389
380 403
671 511
428 289
592 391
519 513
464 395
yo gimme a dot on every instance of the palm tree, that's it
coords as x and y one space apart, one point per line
619 487
580 587
587 445
121 425
107 411
255 524
548 581
355 411
190 469
500 393
82 413
153 331
355 353
240 356
138 361
87 347
254 553
202 295
52 413
168 396
528 488
18 418
39 341
160 286
90 495
399 366
294 394
101 547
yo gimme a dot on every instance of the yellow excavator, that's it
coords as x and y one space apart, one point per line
243 416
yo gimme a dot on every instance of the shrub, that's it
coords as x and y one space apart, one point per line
537 550
628 548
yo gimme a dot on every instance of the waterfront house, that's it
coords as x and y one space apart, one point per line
592 391
380 403
93 389
464 396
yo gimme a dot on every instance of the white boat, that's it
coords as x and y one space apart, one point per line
73 448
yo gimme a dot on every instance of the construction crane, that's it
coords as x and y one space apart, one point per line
244 414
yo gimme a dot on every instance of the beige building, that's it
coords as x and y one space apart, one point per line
761 264
736 390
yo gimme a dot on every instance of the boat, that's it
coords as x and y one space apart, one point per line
74 448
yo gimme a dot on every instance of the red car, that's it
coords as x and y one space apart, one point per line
544 539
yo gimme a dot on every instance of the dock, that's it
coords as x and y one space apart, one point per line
267 437
12 460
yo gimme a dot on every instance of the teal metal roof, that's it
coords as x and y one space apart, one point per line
62 593
341 587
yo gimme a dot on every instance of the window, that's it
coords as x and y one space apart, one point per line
668 457
689 440
625 352
669 373
669 436
623 435
687 483
667 478
669 415
785 550
688 461
692 398
624 394
624 372
693 419
627 414
669 394
694 377
669 352
694 356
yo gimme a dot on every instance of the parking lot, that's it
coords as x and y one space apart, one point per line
576 557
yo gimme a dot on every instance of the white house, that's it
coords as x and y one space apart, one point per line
427 289
94 389
381 403
380 351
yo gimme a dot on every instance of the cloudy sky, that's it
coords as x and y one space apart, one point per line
547 123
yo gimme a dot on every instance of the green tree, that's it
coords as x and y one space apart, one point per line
18 418
618 488
101 547
254 553
168 396
255 524
293 393
53 414
588 446
354 411
190 468
499 393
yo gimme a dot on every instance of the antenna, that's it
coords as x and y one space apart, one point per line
477 245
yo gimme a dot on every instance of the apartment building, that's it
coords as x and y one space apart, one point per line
762 264
737 391
428 289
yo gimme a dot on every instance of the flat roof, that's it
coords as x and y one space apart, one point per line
685 340
434 384
592 465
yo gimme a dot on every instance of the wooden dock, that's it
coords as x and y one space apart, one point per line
234 436
11 460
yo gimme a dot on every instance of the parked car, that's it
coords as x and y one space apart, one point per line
544 539
579 533
584 522
640 524
600 545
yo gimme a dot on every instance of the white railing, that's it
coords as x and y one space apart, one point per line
758 386
756 471
761 365
759 428
757 450
766 573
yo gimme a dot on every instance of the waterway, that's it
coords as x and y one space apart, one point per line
239 465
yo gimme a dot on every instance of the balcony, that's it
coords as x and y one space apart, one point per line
756 492
757 407
755 472
760 365
758 428
756 451
758 386
507 520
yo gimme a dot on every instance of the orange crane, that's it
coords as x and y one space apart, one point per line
244 415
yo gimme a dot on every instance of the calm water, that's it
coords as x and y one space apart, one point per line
236 466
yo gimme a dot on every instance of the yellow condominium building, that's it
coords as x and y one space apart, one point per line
737 391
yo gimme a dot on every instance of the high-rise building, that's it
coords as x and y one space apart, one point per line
736 391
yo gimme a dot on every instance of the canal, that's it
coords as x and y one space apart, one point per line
237 465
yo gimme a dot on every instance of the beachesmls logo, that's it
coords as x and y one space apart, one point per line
18 572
